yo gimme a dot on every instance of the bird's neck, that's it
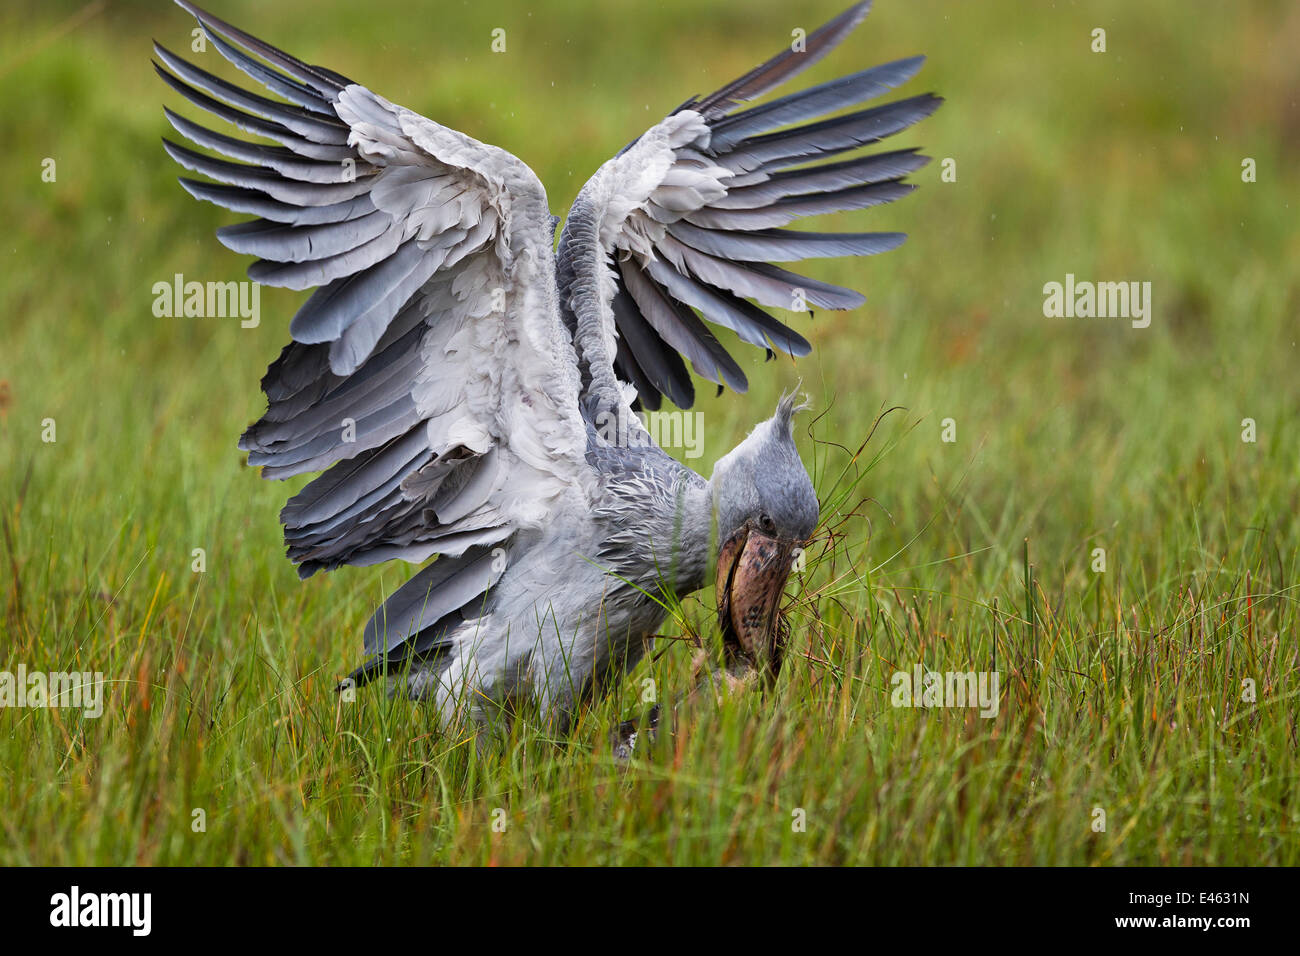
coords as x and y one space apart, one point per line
672 534
695 532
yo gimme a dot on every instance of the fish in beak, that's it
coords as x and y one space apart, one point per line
753 568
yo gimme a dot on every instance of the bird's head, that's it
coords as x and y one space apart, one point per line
766 510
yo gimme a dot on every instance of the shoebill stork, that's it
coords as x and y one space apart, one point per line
469 390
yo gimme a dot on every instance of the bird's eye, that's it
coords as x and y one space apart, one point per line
766 523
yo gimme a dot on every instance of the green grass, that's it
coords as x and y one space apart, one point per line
1120 691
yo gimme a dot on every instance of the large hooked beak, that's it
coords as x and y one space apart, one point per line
753 568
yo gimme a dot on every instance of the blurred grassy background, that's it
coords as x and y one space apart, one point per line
1072 433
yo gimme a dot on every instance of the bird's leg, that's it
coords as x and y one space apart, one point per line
626 735
738 676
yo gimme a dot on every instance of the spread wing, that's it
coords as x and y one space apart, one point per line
430 376
686 223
